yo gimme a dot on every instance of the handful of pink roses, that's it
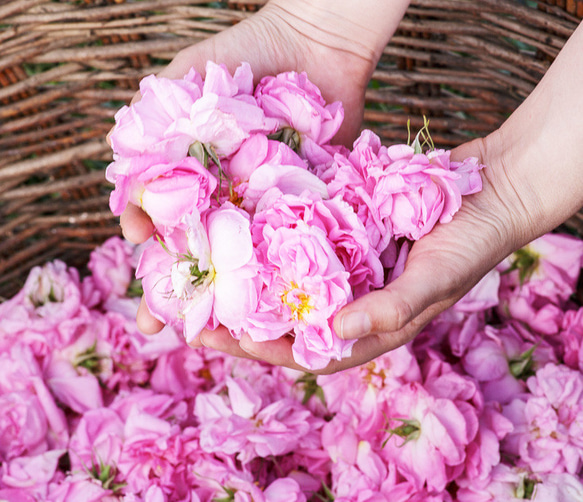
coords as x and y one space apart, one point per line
261 224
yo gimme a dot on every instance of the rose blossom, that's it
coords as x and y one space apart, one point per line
261 164
538 280
199 278
111 266
398 192
47 311
166 191
429 435
501 360
97 441
298 105
248 425
548 421
30 421
305 284
31 474
173 114
571 336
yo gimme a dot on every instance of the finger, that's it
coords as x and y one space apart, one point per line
220 339
135 224
390 309
277 352
195 343
146 322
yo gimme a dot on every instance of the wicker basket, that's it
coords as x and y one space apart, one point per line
66 67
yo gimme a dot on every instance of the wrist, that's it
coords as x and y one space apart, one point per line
361 29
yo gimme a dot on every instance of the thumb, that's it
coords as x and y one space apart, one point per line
391 309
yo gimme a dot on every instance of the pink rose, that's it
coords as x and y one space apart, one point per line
97 440
398 192
431 438
155 452
305 284
548 421
111 266
571 336
143 127
30 421
298 104
501 359
31 474
79 486
261 164
202 278
174 114
166 191
284 490
248 426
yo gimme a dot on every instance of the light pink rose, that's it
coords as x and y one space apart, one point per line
548 421
558 488
97 440
205 276
501 360
362 480
143 127
146 401
526 304
298 104
506 483
166 191
216 478
31 474
337 219
23 425
305 284
483 454
248 427
111 266
432 438
553 257
173 114
416 191
261 164
226 113
398 192
361 393
30 421
538 280
284 490
156 452
80 486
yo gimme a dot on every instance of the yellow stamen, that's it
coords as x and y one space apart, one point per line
297 301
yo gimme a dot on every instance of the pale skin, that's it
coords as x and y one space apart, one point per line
533 180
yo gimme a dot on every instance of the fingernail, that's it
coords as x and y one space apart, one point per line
355 325
246 343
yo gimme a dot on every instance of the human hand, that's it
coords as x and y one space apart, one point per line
338 44
532 182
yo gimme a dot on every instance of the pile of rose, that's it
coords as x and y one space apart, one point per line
262 225
486 404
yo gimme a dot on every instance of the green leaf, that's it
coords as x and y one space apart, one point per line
521 367
311 388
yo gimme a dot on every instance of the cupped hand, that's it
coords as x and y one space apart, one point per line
531 183
441 267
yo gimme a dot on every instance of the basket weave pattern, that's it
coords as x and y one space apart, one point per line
67 66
